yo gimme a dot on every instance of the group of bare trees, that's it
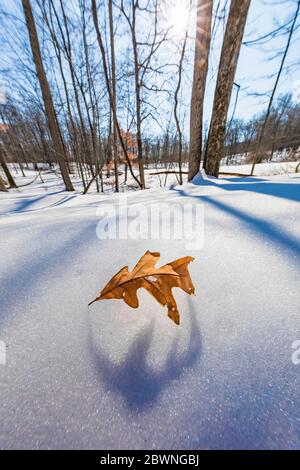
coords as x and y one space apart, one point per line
278 138
75 96
84 75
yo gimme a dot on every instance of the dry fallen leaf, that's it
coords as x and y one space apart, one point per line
157 281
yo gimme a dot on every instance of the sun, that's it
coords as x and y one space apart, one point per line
179 16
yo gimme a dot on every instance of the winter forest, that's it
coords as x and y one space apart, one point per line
145 133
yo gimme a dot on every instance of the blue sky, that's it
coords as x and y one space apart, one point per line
254 66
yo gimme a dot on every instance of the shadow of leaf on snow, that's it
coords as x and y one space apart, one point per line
138 382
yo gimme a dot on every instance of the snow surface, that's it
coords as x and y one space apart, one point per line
108 376
263 169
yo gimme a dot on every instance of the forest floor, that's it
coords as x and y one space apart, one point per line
107 376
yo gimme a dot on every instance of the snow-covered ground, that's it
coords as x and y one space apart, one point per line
263 169
108 376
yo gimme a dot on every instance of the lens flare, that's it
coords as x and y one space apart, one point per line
178 17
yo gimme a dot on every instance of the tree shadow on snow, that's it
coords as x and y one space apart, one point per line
258 185
23 204
269 230
25 280
138 383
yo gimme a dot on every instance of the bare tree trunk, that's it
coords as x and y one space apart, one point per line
228 62
46 93
111 101
15 142
257 157
21 168
76 146
202 46
176 117
3 188
137 95
113 86
8 174
74 79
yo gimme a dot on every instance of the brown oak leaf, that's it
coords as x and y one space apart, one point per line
157 281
